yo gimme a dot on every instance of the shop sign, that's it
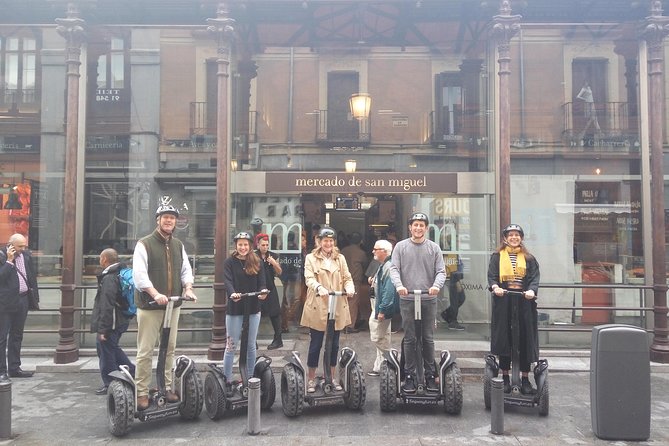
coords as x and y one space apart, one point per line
15 144
108 144
108 95
368 182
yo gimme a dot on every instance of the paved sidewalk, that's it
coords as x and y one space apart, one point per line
58 407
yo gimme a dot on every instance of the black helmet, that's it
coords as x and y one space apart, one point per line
166 208
419 216
327 233
513 227
244 236
256 221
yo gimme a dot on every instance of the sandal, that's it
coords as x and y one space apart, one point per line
311 386
337 386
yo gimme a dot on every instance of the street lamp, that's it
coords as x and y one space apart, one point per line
360 104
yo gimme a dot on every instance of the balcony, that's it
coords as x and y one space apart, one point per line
340 129
457 129
16 102
607 126
203 130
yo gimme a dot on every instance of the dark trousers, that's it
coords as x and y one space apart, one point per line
315 348
112 355
12 324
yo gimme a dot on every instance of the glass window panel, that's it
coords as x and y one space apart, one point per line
102 72
12 44
29 45
12 71
116 44
117 70
28 71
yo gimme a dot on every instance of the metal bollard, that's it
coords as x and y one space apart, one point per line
5 409
253 427
497 406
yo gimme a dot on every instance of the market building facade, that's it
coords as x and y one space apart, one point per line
352 114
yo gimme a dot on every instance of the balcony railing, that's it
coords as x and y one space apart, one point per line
337 128
13 100
457 129
202 119
604 119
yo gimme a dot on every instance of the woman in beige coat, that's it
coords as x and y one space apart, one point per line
325 270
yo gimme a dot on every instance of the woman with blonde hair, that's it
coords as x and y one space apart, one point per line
325 270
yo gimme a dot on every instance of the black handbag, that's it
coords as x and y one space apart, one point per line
33 298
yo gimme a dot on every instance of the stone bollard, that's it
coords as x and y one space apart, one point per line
5 409
497 406
253 427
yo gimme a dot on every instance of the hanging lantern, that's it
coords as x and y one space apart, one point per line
361 104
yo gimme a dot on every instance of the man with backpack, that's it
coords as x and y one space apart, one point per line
110 318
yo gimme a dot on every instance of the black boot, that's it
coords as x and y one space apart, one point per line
507 383
525 386
277 342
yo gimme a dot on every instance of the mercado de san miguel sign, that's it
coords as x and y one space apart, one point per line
368 182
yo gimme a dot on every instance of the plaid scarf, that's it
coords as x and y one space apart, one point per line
507 273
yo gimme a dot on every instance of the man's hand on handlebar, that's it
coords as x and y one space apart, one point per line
402 291
160 299
190 295
433 291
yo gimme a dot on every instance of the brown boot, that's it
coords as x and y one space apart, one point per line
142 402
172 397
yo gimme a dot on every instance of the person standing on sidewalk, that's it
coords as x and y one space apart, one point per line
384 304
242 273
357 261
270 306
325 270
418 265
160 269
108 320
512 267
17 279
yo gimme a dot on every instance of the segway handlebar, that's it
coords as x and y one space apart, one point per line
254 293
153 303
513 292
337 293
416 292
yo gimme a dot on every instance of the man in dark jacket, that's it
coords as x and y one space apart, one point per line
17 278
108 320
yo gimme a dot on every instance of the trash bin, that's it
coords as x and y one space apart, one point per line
620 383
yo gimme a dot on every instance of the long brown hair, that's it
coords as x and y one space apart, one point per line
251 263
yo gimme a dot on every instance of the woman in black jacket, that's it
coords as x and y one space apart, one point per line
242 273
513 268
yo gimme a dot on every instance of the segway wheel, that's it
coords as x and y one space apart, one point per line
192 399
388 388
544 400
214 397
357 391
120 407
487 387
452 390
267 389
292 390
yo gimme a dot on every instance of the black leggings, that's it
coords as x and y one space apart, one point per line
505 363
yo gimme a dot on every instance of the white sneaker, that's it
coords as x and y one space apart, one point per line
336 385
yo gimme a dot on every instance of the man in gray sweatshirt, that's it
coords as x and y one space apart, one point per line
418 264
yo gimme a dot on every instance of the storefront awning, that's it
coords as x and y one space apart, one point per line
593 208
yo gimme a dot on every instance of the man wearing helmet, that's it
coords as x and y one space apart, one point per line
417 264
160 269
512 267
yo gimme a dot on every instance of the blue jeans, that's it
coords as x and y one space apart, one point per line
233 325
112 355
315 348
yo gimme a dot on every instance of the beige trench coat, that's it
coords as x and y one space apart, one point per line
336 277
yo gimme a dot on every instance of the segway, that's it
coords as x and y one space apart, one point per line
516 398
221 394
351 376
122 392
393 375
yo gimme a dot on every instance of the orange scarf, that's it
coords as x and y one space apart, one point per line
506 271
